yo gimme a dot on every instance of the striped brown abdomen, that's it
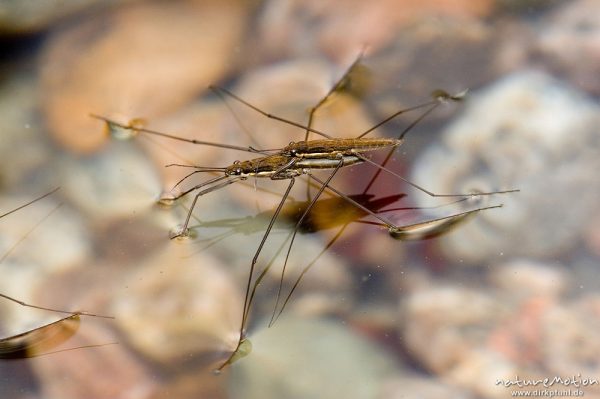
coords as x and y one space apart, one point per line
331 147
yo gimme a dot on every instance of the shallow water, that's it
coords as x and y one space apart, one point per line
511 292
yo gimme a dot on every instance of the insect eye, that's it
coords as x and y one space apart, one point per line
238 171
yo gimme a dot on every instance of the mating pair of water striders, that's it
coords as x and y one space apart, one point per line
302 158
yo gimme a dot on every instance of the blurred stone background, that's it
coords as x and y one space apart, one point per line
512 292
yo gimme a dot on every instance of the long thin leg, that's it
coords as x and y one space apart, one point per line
200 170
38 341
199 194
197 187
249 294
440 96
24 236
112 124
341 82
296 227
434 227
232 112
391 226
271 116
322 134
11 249
304 271
431 193
401 136
79 312
30 202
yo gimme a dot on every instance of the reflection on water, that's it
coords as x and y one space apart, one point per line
510 292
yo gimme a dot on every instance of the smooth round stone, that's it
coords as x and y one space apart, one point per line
310 358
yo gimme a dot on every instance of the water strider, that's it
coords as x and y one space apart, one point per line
301 158
41 340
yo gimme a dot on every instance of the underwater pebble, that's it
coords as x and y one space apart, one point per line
570 338
441 322
340 28
416 387
192 384
22 17
524 277
422 57
571 32
117 182
447 330
526 131
178 305
46 235
23 148
470 337
133 60
592 235
478 371
94 373
310 358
